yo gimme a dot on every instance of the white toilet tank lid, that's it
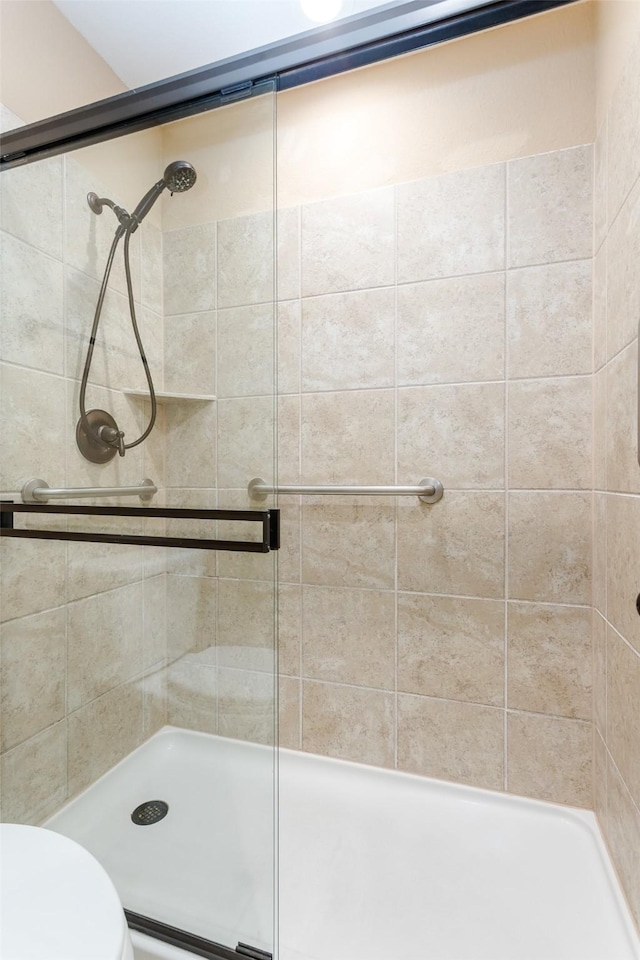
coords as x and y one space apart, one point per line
56 901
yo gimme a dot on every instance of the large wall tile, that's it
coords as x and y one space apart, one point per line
33 677
246 351
246 260
247 707
451 225
289 726
193 696
623 835
549 320
350 723
24 563
623 134
105 643
600 427
550 547
600 760
454 546
623 275
190 353
451 647
599 573
34 777
191 445
289 316
191 615
32 427
550 207
246 624
549 758
451 330
97 567
550 424
155 620
623 469
290 554
600 307
600 186
103 732
189 269
245 441
549 663
289 628
454 433
347 437
349 636
151 281
31 204
88 237
349 542
289 429
31 301
599 673
348 340
623 563
116 360
463 742
623 717
288 230
348 243
155 702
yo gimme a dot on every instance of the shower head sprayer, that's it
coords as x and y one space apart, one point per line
178 177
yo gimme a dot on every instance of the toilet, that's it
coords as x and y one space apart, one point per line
56 901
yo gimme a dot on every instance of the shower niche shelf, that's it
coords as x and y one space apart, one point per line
166 396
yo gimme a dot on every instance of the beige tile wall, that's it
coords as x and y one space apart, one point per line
221 607
82 634
616 556
442 328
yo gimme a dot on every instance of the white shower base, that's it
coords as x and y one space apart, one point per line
374 865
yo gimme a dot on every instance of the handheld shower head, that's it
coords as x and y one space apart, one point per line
178 177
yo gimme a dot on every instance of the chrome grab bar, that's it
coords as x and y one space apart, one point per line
428 491
39 491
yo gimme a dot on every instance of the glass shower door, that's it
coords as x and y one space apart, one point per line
138 683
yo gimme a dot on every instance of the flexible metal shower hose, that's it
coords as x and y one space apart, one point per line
94 330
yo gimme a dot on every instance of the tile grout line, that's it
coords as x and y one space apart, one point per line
505 743
396 507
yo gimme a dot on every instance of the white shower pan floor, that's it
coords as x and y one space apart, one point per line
374 865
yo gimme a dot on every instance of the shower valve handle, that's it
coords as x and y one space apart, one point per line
113 437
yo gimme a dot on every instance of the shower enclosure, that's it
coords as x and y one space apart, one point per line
138 577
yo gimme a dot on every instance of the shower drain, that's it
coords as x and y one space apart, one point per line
150 812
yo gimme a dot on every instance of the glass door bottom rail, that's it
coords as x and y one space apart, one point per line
374 864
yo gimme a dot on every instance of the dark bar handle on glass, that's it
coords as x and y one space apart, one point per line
269 519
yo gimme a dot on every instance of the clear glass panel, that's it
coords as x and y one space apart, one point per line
144 673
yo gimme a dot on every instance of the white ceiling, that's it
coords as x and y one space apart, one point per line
148 40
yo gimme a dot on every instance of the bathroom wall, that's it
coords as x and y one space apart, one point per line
616 471
442 327
83 637
46 66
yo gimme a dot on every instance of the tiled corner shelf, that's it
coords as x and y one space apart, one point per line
165 396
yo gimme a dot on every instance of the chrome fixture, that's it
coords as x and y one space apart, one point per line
39 491
428 491
97 434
